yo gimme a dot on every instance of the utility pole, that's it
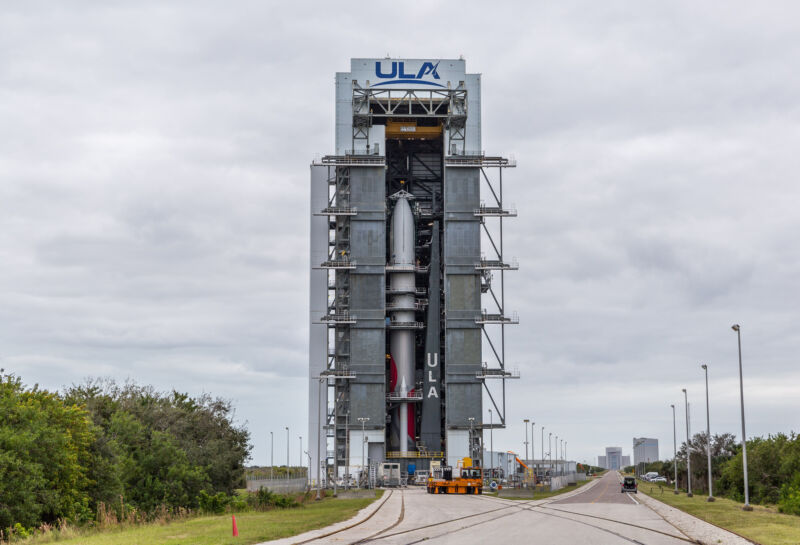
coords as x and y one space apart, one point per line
674 448
708 438
271 459
550 452
688 447
747 506
287 454
301 451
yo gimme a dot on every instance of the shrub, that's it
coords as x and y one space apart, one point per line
215 504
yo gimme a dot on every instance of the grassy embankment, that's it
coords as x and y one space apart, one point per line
538 494
764 525
253 526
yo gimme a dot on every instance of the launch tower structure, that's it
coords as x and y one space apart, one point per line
407 271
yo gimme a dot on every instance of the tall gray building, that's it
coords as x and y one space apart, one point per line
613 458
645 449
406 237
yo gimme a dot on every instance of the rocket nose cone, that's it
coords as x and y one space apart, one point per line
403 232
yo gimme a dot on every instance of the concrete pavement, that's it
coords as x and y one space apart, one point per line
596 514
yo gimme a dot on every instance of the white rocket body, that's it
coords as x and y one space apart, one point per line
401 341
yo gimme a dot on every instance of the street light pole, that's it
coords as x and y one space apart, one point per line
319 432
688 447
533 453
674 448
747 506
561 459
271 458
363 420
347 450
287 454
542 448
556 466
471 439
550 451
526 438
708 437
491 443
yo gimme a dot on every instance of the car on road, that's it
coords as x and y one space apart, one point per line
629 485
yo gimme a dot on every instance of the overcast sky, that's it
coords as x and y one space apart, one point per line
154 199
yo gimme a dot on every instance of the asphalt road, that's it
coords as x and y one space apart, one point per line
598 515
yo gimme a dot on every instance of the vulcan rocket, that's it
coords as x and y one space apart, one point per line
402 310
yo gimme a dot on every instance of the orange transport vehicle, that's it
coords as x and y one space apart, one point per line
467 478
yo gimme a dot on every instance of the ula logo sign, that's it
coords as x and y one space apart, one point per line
397 74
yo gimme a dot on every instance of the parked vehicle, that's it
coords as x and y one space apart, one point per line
466 478
658 480
629 485
649 475
389 474
421 477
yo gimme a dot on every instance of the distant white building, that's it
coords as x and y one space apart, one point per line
601 462
626 461
645 449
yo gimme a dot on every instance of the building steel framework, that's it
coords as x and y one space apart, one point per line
449 107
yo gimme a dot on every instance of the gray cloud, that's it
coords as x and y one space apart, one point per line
153 198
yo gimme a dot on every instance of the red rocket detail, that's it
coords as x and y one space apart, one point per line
392 373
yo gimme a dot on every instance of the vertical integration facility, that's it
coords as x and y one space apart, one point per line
407 306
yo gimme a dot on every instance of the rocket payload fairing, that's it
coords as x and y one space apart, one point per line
401 342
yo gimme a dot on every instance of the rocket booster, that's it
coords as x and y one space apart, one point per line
401 341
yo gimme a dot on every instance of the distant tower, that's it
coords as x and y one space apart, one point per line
398 271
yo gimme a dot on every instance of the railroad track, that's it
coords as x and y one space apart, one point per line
515 507
354 525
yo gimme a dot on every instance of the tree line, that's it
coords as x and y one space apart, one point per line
773 466
103 446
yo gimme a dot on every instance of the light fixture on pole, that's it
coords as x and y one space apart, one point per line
708 438
747 506
674 447
688 447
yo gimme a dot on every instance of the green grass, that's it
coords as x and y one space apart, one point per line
254 527
538 494
763 525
